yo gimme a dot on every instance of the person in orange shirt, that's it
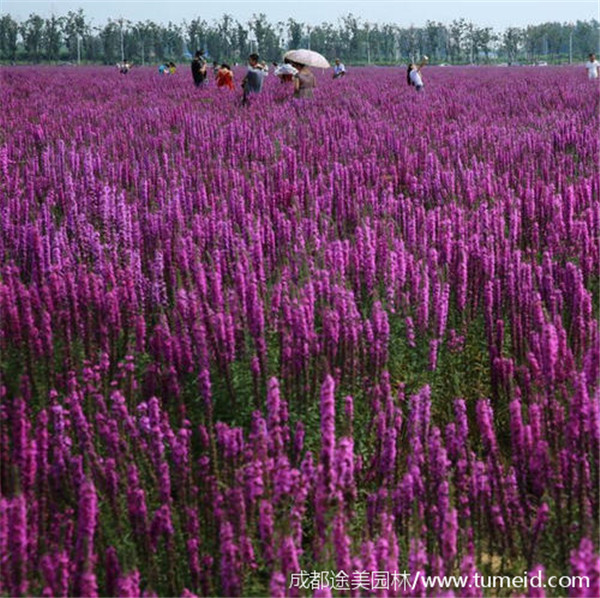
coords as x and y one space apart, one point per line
225 76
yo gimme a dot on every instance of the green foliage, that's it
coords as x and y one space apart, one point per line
70 37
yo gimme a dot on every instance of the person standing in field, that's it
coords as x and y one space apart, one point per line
592 66
199 68
413 74
304 81
253 81
225 76
339 70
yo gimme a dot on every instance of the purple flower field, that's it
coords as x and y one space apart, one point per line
357 334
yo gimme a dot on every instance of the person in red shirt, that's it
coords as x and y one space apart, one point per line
225 77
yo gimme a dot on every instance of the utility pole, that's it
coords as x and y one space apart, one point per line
368 47
122 47
252 41
471 49
78 49
570 43
309 30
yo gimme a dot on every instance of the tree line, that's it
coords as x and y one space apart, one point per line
73 38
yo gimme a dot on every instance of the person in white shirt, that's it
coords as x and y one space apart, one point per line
413 76
339 70
592 67
285 72
413 73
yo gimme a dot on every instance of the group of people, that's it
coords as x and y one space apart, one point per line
289 71
222 72
124 67
167 68
300 75
304 81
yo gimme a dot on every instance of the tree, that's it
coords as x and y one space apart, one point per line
555 36
75 29
348 38
280 29
123 25
172 41
351 36
32 31
110 37
480 40
586 38
510 43
323 39
225 31
457 33
144 35
9 31
410 43
295 33
532 41
196 34
266 37
52 37
387 42
436 36
241 40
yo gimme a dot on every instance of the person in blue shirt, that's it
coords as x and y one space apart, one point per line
253 81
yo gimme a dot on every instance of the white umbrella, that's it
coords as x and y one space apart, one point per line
308 58
285 69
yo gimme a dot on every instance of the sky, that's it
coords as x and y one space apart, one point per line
498 14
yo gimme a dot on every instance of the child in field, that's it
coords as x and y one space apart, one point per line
225 76
285 72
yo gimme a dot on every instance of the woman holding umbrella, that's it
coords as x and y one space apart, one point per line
304 79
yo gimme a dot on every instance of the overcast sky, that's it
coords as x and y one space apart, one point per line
495 13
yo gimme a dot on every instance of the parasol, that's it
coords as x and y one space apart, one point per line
308 58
